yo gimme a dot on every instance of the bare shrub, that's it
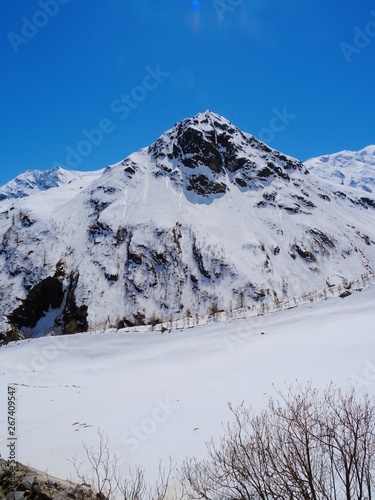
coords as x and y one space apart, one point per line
103 468
135 487
107 482
213 309
305 445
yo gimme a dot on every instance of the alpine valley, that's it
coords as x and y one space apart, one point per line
206 219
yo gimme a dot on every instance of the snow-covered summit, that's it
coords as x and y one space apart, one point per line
348 168
34 181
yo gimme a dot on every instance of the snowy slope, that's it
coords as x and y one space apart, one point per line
348 168
172 390
207 218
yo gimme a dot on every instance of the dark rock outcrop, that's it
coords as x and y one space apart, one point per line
74 317
208 149
27 483
48 294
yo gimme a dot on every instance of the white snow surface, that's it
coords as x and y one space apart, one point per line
174 387
348 168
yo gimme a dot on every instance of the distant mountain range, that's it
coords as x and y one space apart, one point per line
207 218
33 181
348 168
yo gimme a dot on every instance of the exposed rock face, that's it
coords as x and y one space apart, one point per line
45 295
209 149
73 318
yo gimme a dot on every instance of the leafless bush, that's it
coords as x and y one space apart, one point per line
103 468
135 486
107 482
305 445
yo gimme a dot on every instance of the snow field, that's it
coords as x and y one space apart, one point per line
159 395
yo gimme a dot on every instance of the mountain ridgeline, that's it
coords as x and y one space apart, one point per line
207 218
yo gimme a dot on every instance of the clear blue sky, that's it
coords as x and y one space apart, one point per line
82 64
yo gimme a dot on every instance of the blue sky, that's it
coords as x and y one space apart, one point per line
86 82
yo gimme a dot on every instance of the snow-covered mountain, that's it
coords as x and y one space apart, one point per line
32 181
348 168
207 218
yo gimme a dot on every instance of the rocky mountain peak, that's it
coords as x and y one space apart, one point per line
206 152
